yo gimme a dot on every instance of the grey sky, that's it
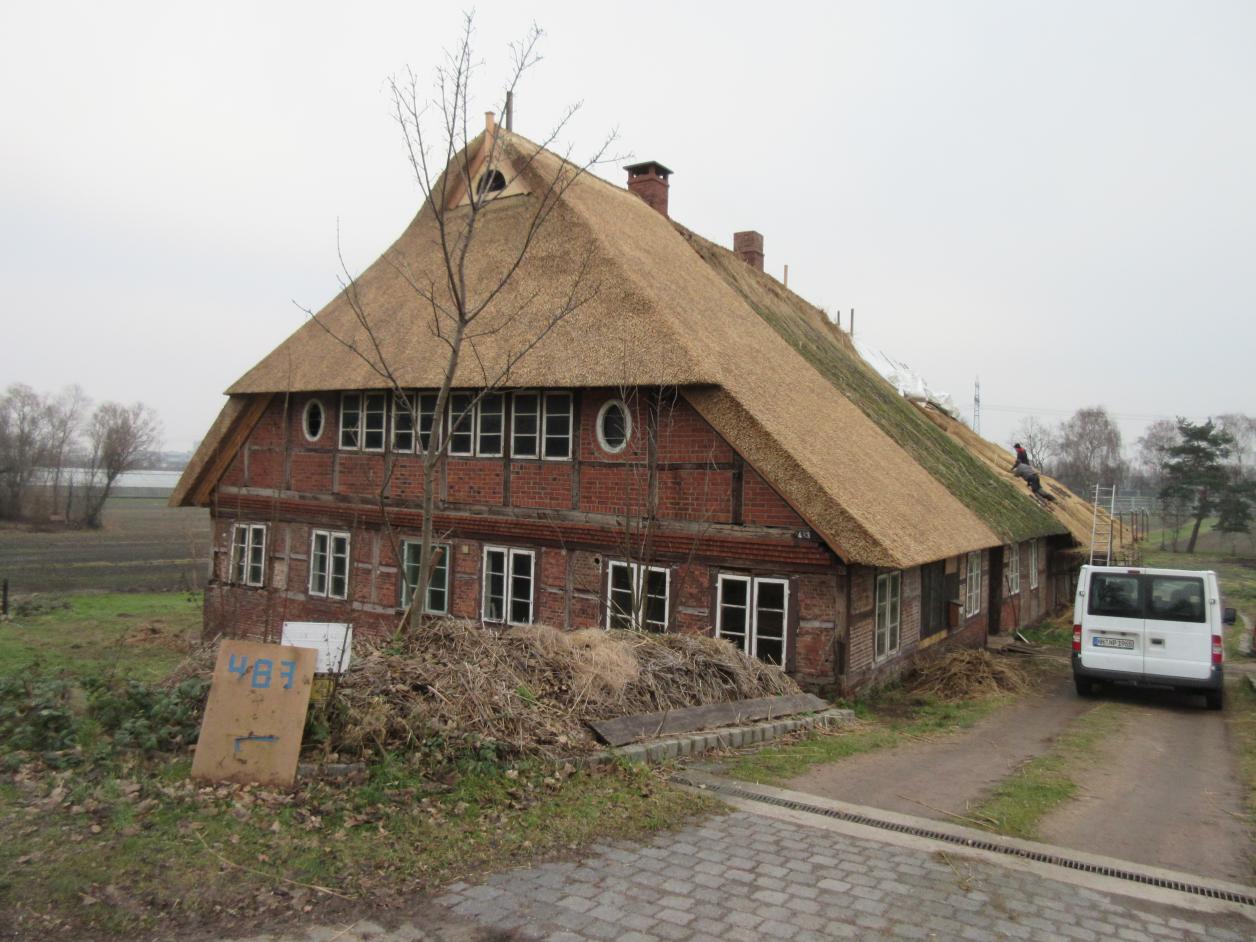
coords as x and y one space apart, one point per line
1057 196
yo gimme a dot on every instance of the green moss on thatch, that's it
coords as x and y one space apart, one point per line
1012 515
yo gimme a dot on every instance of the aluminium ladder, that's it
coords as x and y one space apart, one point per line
1101 530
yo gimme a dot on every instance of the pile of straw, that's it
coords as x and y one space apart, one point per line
970 674
532 689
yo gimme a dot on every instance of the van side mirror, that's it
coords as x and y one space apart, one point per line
1229 616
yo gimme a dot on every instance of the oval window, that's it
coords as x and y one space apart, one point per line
614 426
313 420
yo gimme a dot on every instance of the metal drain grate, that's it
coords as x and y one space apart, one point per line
1132 875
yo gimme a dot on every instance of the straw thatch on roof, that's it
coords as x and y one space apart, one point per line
660 306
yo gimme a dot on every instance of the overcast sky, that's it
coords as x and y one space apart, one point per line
1059 197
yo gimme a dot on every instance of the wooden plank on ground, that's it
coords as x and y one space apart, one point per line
625 729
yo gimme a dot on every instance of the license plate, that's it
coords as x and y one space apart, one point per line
1126 644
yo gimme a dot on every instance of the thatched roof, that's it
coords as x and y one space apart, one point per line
876 479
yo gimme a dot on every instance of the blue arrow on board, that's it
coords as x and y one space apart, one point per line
240 740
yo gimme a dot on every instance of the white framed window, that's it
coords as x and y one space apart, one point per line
1033 564
556 444
1011 568
972 600
404 406
508 578
614 426
248 554
374 420
462 424
637 596
329 564
312 420
753 614
490 421
525 425
438 588
350 420
889 611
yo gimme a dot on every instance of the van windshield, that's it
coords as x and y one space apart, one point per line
1176 598
1114 594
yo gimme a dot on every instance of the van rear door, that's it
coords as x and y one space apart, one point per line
1113 626
1178 639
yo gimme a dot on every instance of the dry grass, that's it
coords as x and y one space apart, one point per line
532 690
969 675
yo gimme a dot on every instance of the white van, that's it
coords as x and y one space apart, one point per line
1153 627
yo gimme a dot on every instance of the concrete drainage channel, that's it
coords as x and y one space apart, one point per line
969 841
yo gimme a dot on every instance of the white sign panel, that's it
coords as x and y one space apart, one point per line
332 640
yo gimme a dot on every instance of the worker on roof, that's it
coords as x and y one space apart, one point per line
1023 469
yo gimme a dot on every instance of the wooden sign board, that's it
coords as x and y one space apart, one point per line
251 731
332 640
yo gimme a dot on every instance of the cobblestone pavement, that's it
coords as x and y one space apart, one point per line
746 876
751 876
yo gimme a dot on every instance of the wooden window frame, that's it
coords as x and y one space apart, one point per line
446 560
889 603
1011 568
750 645
638 573
600 421
342 428
536 395
547 397
329 572
240 565
404 405
1033 564
972 584
305 419
465 427
367 412
511 554
480 451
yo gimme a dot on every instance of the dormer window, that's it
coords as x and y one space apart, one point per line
490 182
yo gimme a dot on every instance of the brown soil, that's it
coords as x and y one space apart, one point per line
941 777
1166 792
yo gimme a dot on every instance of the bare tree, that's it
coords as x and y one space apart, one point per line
1039 441
24 424
1089 450
1242 430
464 314
65 422
121 437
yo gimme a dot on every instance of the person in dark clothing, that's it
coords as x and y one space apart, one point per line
1023 469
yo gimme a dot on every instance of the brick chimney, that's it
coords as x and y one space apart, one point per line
749 247
649 181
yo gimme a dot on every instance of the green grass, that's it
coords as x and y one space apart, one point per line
171 855
1241 717
885 721
97 841
1022 800
89 636
1053 632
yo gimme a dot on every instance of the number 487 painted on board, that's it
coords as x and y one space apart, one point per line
263 668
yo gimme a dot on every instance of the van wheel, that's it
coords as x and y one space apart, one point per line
1085 686
1215 699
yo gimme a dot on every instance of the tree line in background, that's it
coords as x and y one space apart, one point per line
1193 470
59 457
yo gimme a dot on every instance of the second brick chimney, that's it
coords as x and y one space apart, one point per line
649 181
749 247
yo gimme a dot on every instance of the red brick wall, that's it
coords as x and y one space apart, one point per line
762 505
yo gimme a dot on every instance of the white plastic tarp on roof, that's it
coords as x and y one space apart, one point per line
908 383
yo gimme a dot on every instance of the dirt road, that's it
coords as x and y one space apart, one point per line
1165 791
931 778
